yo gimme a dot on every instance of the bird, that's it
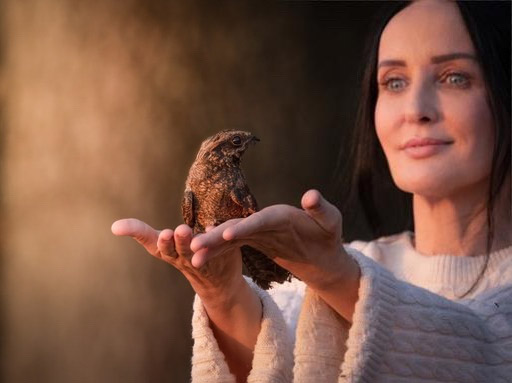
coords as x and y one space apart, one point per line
216 191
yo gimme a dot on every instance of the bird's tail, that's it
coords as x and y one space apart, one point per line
262 269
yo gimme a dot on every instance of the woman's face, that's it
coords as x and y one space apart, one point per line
432 116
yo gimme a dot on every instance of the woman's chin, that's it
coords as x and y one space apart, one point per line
429 188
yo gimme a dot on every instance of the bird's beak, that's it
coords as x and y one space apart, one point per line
251 141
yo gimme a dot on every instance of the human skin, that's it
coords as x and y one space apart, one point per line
431 85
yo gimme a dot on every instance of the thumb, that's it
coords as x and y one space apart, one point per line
324 213
138 230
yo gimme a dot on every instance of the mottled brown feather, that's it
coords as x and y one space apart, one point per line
187 208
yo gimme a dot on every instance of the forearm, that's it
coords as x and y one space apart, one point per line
235 320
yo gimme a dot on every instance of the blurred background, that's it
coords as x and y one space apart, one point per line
103 105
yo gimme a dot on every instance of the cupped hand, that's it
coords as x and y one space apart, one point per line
306 241
173 247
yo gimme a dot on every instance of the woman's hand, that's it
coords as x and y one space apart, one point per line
223 273
233 308
307 242
296 239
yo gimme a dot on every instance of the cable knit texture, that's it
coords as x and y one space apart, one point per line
408 324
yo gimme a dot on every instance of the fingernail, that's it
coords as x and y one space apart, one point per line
228 235
167 236
180 234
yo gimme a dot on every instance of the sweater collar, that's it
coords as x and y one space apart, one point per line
445 269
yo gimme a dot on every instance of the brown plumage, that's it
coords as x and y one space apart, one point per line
216 191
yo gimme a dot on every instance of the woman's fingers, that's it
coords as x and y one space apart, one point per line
323 212
138 230
182 238
270 218
165 244
168 244
212 237
130 227
243 228
200 258
208 245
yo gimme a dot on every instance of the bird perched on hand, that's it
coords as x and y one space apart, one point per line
216 191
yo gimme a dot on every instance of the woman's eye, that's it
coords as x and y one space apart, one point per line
395 84
457 79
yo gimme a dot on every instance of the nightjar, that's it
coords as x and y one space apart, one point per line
216 191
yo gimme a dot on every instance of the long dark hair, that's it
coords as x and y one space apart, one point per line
488 23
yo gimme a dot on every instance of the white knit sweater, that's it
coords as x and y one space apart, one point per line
408 325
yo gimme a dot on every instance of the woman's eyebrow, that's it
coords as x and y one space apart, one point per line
433 60
391 63
452 56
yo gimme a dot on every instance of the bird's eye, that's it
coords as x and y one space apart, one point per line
237 141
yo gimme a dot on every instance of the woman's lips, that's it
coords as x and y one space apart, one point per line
424 147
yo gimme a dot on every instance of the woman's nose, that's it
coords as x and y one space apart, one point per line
422 103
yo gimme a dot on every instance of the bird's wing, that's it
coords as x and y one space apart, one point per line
241 195
187 208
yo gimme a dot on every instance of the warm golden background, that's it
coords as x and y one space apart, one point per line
103 104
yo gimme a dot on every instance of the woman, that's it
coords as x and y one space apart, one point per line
435 305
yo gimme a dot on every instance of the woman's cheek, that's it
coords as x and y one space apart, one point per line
383 119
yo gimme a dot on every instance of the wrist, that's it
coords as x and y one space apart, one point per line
327 271
344 271
223 297
338 285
